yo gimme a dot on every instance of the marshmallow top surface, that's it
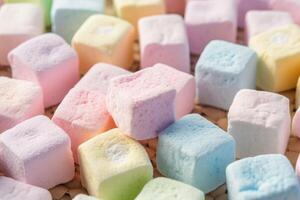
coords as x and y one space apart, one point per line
136 2
84 197
89 5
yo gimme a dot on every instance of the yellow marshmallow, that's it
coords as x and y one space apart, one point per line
278 51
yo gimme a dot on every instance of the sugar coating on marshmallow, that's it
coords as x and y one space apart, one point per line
216 21
298 94
48 61
263 177
163 39
259 122
112 163
84 197
167 189
19 100
68 15
290 6
278 52
175 6
37 152
18 23
14 190
196 152
104 38
296 124
222 70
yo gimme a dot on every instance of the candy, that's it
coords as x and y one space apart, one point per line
263 177
259 122
104 38
19 100
48 61
216 21
175 6
37 152
14 190
112 163
68 15
84 197
163 39
18 23
278 51
290 6
261 21
298 168
296 123
222 70
298 94
196 152
164 188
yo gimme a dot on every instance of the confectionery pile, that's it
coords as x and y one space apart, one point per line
149 99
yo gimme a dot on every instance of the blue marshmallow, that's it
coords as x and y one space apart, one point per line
266 177
195 151
68 15
223 69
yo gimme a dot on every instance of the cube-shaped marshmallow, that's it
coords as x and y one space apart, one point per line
163 39
114 166
37 152
261 21
19 100
216 21
278 52
104 38
259 122
298 168
290 6
18 23
298 94
68 15
175 6
14 190
296 124
196 152
133 10
222 70
48 61
84 197
265 177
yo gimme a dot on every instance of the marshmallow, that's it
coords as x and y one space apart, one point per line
259 122
19 100
262 21
296 124
163 39
48 61
298 94
106 39
222 70
290 6
263 177
196 152
84 197
14 190
68 15
37 152
164 188
298 168
216 21
175 6
18 23
112 163
278 52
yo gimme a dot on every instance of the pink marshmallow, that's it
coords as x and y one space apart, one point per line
298 168
14 190
37 152
290 6
210 20
18 23
19 100
48 61
175 6
296 124
163 39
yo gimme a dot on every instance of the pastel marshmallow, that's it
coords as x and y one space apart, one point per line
11 189
290 6
259 122
263 177
18 23
278 54
19 100
104 38
164 188
196 152
37 152
298 168
68 15
84 197
222 70
112 163
298 94
296 124
83 113
133 10
48 61
175 6
261 21
163 39
215 22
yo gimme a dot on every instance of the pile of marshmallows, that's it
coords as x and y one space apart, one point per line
101 116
